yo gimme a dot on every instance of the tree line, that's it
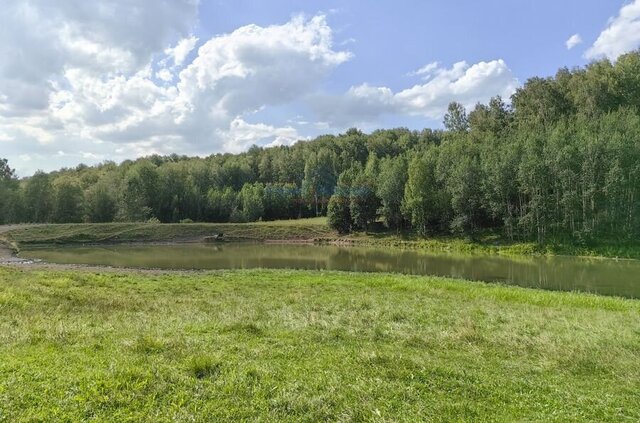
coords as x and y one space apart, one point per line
561 159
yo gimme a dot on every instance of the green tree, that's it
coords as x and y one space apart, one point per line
280 201
319 178
363 203
392 179
38 198
221 204
455 120
460 172
339 207
101 203
251 202
9 197
338 211
140 192
68 204
425 202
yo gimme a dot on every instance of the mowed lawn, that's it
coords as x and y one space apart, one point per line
309 346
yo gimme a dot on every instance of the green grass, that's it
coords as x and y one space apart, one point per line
309 346
151 232
310 221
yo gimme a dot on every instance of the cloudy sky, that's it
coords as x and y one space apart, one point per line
86 81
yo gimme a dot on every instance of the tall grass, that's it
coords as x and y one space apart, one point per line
309 346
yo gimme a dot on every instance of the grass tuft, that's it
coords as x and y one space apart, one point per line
245 328
202 367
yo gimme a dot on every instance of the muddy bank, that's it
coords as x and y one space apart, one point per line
7 256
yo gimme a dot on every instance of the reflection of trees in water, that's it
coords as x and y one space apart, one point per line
557 273
561 273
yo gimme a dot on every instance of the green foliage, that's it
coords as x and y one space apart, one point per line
456 118
9 196
220 204
561 161
425 204
281 201
319 178
68 205
101 203
459 170
363 202
6 173
204 367
38 198
338 211
392 179
250 200
140 190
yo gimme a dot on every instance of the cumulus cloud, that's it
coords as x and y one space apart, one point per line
232 75
108 101
467 84
40 39
180 52
621 35
255 66
573 41
241 135
88 81
164 75
426 71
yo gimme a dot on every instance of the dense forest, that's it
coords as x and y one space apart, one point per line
560 159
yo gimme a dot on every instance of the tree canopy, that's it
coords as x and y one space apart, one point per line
561 158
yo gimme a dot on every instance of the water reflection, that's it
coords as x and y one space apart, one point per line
608 277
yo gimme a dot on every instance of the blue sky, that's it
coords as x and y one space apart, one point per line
93 81
395 37
389 39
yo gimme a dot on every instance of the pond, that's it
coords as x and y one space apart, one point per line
601 276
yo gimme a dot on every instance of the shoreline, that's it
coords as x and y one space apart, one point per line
14 237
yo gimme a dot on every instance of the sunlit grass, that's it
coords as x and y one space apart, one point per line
309 346
311 221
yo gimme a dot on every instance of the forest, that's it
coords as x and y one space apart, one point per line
560 159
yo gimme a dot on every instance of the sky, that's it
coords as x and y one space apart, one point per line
89 81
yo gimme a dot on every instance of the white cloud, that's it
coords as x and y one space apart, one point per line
99 82
467 84
573 41
112 104
426 71
180 52
622 34
255 66
40 39
242 135
164 75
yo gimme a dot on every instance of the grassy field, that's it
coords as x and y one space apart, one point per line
314 229
152 232
309 346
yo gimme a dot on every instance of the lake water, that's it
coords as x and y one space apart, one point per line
606 277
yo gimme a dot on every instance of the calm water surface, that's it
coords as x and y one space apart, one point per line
606 277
